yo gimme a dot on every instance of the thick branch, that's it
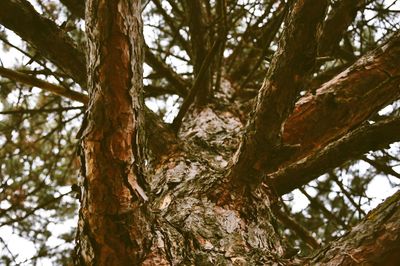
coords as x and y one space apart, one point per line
346 101
200 42
351 146
77 7
20 17
339 19
374 241
291 65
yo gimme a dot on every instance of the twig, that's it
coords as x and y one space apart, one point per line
297 228
346 193
324 210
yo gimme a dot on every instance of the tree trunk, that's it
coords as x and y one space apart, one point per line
160 213
142 207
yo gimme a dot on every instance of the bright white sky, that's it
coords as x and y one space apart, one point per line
379 188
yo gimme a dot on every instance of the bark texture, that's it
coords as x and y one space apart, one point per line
113 221
185 207
346 100
289 70
152 196
375 241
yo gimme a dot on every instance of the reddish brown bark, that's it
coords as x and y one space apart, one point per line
351 146
374 241
289 70
345 101
174 220
113 223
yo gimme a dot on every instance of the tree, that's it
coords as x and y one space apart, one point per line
280 93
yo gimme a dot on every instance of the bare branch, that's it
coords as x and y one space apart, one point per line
374 241
350 146
77 7
339 19
32 81
166 71
20 17
291 65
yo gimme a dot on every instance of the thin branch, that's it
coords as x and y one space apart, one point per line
347 194
382 167
44 110
32 81
261 47
32 211
167 72
171 23
330 216
35 58
247 35
196 86
297 228
14 259
268 35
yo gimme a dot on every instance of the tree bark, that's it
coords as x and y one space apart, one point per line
113 225
151 197
168 211
374 241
